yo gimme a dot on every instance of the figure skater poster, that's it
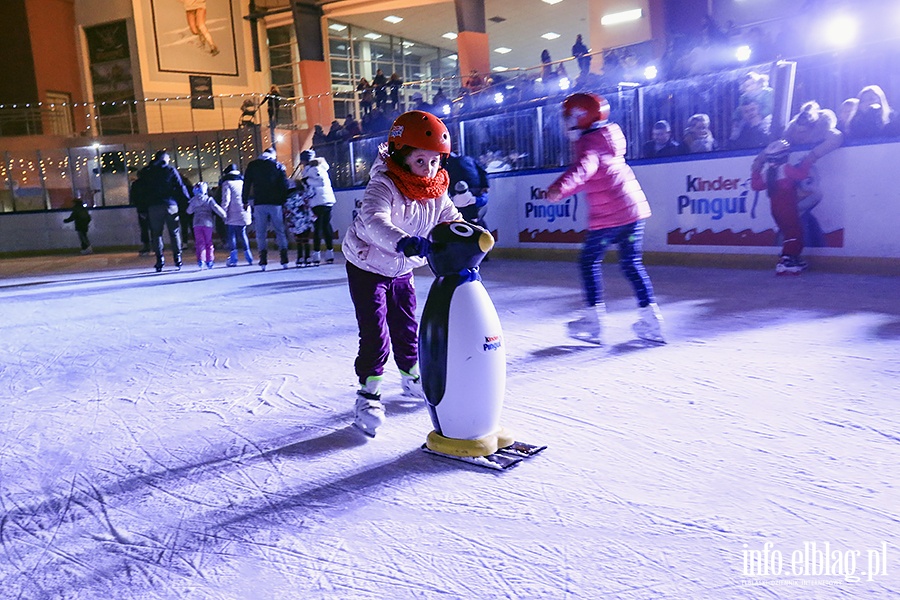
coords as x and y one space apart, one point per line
195 36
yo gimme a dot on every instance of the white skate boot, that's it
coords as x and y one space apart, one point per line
589 326
369 409
329 257
412 383
315 258
649 324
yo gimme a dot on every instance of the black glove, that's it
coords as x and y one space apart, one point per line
414 245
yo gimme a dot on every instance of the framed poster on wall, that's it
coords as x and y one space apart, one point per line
195 36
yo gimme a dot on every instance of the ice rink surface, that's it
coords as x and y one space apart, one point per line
187 435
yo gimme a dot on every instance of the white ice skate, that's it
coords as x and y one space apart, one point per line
369 409
589 326
412 383
329 257
315 258
649 324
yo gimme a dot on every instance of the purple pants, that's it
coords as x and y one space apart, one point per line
203 242
386 315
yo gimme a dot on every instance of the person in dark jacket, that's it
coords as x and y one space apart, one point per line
662 143
164 190
82 219
266 188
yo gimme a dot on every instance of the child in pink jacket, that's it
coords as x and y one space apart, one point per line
617 209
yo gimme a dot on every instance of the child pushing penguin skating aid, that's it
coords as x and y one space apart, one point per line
405 198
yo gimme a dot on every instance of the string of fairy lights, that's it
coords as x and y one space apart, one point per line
67 168
135 102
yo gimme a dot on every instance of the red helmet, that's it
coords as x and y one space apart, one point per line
582 109
419 129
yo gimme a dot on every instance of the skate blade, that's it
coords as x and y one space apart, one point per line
648 337
586 338
361 427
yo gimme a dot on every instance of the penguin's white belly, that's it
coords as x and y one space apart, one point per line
476 366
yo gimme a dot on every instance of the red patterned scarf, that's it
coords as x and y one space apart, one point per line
420 189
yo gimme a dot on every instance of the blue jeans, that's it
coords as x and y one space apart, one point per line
630 240
263 215
237 233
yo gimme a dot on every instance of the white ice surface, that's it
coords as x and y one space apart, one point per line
187 435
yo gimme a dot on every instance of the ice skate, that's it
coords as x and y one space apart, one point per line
160 262
199 265
177 262
589 326
210 264
329 257
232 259
412 383
649 324
369 409
87 250
263 259
315 258
284 259
790 265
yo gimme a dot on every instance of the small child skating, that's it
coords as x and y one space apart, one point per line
405 198
781 180
204 209
617 209
82 219
299 219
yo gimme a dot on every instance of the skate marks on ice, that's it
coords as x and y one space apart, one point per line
149 449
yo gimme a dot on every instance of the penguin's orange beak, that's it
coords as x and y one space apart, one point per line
485 241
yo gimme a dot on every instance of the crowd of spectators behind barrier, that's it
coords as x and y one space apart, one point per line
746 124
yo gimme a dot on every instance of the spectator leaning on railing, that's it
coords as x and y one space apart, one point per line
697 136
874 116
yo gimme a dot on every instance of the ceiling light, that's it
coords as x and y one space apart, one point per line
622 17
502 50
551 2
453 57
449 35
408 44
743 53
550 35
372 36
501 69
393 19
337 27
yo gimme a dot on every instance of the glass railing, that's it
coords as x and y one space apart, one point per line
528 134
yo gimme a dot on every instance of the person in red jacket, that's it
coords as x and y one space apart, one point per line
617 209
780 179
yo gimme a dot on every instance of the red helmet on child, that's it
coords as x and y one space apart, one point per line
582 109
419 129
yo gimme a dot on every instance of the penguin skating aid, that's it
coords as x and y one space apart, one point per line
462 356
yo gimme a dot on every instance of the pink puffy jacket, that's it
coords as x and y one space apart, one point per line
614 195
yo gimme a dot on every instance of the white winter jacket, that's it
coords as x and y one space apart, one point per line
315 175
384 218
233 204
